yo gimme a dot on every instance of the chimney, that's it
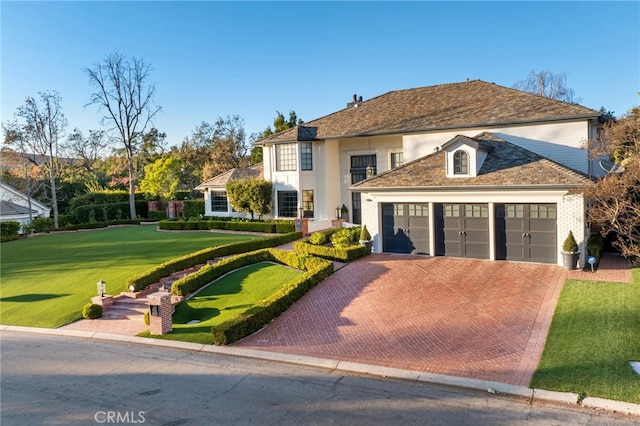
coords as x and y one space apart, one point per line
356 101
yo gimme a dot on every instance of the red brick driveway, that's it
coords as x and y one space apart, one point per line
460 317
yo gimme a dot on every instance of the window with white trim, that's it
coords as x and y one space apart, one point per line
286 157
460 163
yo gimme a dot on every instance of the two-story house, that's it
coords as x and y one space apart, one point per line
469 169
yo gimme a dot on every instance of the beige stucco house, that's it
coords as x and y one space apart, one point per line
469 169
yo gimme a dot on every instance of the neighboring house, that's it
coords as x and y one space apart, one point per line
14 206
216 202
468 169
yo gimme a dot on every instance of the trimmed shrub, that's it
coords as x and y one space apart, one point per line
193 208
318 239
157 215
147 319
570 245
9 231
342 238
42 224
91 311
364 234
227 224
108 212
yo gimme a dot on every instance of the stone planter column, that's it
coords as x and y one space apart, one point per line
160 313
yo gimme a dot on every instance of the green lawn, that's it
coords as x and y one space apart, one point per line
594 334
226 298
46 280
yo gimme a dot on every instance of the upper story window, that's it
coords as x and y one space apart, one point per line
396 159
306 156
460 163
286 157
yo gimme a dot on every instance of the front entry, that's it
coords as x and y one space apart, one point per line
462 230
405 228
526 232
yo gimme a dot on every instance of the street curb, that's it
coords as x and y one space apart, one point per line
534 395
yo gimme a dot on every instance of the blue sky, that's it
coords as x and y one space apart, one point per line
213 59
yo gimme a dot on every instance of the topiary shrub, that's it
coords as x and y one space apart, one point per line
364 234
147 319
570 245
91 311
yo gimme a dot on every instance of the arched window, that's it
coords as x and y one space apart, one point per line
460 163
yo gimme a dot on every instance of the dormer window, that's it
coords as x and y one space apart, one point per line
460 163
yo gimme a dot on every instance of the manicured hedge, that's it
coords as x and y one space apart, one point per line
193 208
141 281
264 312
108 212
341 254
279 227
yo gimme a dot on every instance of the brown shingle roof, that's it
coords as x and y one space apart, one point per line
221 180
455 105
506 165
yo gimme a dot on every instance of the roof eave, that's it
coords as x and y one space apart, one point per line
558 187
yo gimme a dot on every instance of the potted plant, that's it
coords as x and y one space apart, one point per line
570 252
365 238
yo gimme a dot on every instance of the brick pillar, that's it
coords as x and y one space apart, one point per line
302 225
160 313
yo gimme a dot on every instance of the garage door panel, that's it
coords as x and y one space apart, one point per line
405 228
526 232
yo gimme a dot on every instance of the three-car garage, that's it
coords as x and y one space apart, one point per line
502 231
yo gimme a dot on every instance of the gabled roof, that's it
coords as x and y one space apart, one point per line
221 180
507 165
446 106
8 188
7 208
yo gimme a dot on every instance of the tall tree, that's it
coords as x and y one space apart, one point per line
252 195
229 146
124 93
547 84
42 129
615 199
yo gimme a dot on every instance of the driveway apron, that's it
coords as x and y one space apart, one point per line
461 317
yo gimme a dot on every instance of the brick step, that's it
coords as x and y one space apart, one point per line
120 313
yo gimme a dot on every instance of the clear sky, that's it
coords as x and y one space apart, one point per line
213 59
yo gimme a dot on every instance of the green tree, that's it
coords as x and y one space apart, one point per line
125 95
615 199
161 178
251 195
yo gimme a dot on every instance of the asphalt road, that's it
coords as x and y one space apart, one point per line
59 380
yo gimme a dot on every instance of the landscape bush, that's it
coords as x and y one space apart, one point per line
595 247
9 231
193 208
108 212
157 215
346 251
42 224
91 311
255 318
